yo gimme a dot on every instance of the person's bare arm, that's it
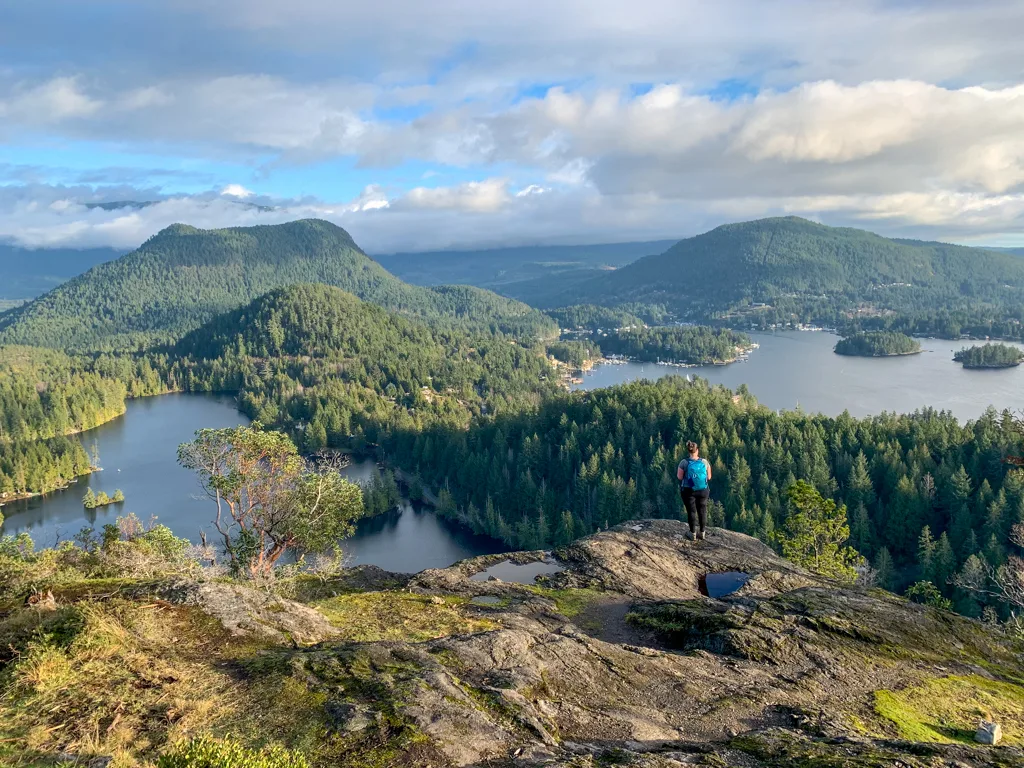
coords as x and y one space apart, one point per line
709 469
679 474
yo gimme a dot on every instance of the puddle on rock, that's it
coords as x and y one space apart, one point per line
722 584
518 574
485 600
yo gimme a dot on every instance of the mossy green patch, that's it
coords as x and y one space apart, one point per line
569 602
948 709
372 616
784 750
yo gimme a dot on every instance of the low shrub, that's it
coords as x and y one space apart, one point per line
206 752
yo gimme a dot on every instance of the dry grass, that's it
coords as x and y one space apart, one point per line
126 681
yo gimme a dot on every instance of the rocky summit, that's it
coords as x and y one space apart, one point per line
616 654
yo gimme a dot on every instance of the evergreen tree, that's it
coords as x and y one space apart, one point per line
944 564
885 570
816 533
926 554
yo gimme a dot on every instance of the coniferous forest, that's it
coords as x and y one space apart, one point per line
877 344
478 415
696 344
990 356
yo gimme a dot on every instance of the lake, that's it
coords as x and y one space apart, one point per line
799 368
138 453
138 450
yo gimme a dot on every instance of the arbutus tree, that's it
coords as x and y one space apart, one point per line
269 499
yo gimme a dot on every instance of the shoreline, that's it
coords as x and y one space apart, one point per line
875 357
590 365
36 494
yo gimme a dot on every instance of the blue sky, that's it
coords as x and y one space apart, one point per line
454 125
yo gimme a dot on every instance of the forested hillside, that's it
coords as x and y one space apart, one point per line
924 494
184 276
45 396
343 372
777 270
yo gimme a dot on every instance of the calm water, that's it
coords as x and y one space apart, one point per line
138 453
722 584
799 368
526 573
138 450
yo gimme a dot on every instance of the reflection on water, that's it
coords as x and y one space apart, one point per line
138 452
412 538
526 573
723 583
799 369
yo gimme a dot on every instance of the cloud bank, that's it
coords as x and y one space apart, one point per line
453 124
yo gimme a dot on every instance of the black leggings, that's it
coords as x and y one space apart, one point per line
696 503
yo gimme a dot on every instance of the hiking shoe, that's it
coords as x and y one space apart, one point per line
700 536
693 536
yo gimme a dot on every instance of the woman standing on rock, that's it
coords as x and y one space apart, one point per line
694 475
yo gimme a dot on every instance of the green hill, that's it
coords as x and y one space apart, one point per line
312 353
311 320
797 267
184 276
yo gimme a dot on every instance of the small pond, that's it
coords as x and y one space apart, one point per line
518 574
721 584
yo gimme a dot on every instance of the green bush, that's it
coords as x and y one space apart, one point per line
206 752
926 593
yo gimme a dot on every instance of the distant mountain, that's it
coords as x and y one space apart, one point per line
29 272
494 268
184 276
807 269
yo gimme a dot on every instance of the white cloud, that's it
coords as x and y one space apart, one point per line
908 115
50 102
472 197
236 190
532 189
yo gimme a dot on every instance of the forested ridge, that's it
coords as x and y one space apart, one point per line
184 276
343 372
783 270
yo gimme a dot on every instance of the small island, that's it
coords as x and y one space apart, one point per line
678 344
877 344
94 500
990 356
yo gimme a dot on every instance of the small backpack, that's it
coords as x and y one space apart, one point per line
696 476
